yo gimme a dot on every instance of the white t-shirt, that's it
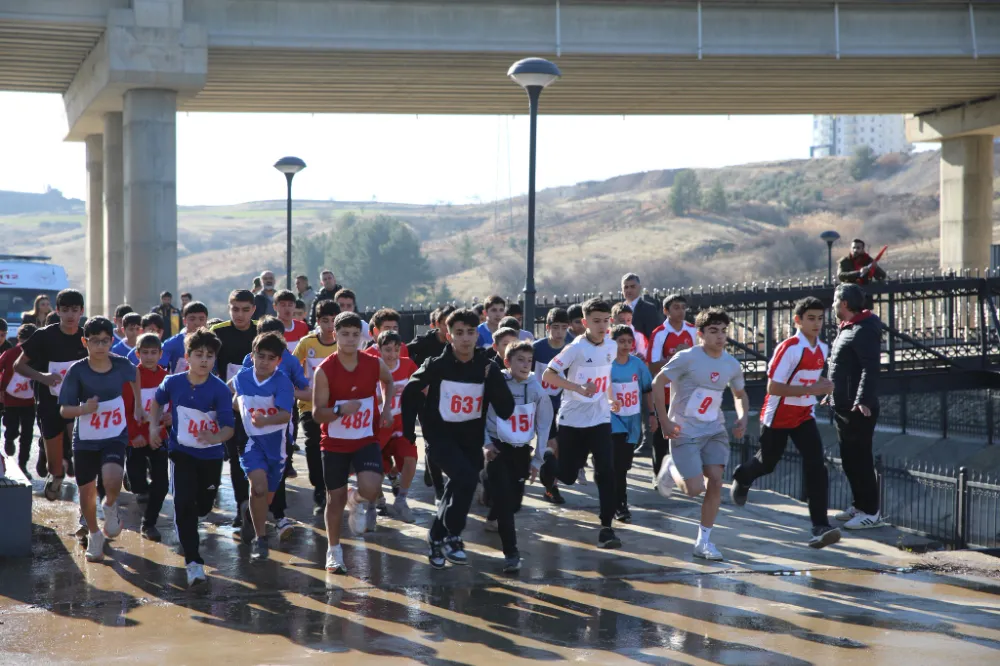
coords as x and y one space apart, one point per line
584 362
697 382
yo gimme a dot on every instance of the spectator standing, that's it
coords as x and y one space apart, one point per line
186 298
327 293
263 302
171 315
302 288
645 316
256 286
41 309
856 268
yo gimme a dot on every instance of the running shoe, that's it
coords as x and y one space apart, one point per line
847 514
623 515
95 547
707 551
394 480
284 527
607 539
53 486
335 560
195 574
553 496
454 550
511 564
403 511
739 493
864 521
356 519
112 521
371 516
581 477
150 533
259 550
435 554
823 536
665 479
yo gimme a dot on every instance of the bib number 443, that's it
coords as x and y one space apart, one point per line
194 427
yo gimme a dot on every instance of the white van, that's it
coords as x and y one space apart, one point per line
21 280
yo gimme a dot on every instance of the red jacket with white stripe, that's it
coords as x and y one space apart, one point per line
664 342
796 363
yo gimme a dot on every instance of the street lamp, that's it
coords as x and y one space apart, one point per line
532 74
289 166
830 237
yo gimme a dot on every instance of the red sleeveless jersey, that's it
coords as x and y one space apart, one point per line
354 431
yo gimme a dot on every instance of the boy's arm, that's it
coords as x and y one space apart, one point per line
22 366
388 392
543 424
413 398
69 399
742 411
498 393
322 413
554 377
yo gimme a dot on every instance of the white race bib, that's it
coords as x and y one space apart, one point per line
263 404
548 389
804 378
358 425
311 365
704 405
291 346
520 427
232 370
460 401
397 397
58 368
181 365
192 421
147 395
598 375
107 422
20 387
627 395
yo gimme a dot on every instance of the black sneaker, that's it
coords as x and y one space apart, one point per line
823 536
428 481
151 533
24 470
259 551
512 563
454 550
41 468
607 539
142 498
623 515
738 492
435 554
8 448
319 509
291 474
237 521
553 496
247 532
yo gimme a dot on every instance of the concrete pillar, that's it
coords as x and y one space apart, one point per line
114 214
966 202
94 259
150 150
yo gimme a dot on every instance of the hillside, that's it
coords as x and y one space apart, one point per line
588 234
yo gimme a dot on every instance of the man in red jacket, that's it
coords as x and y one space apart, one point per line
856 268
18 401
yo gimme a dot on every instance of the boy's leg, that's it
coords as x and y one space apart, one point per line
26 418
112 472
209 480
600 446
572 453
336 469
501 471
772 447
623 453
437 476
158 465
238 478
807 440
87 464
11 424
462 465
258 500
185 485
367 464
137 468
314 458
713 495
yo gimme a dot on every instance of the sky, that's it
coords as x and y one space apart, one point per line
227 158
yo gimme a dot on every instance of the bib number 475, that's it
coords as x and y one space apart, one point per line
106 419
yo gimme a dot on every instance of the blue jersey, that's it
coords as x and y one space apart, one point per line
173 353
543 355
273 394
206 406
630 381
290 366
122 348
133 357
485 337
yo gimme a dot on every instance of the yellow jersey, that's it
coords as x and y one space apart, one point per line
311 352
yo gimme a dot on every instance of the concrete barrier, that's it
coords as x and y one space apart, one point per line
15 507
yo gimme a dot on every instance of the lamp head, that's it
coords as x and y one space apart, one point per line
289 165
830 237
533 72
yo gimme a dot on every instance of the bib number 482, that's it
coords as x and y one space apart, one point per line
357 420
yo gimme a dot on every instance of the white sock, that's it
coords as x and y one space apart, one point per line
704 533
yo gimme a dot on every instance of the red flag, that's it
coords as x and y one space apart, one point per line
871 271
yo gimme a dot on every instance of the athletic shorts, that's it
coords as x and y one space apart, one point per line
337 466
398 449
271 459
89 463
51 422
691 454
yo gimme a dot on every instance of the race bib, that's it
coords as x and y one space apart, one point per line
397 397
258 404
599 376
107 422
627 395
58 368
232 370
460 401
181 365
704 405
20 387
190 422
520 427
549 389
804 378
358 425
311 365
147 395
291 346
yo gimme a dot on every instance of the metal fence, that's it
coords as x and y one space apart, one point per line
959 508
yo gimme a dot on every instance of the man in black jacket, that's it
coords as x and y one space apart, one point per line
327 293
645 315
855 361
431 344
460 383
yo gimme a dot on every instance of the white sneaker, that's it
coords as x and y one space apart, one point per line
581 477
403 511
95 547
112 521
335 560
284 528
356 519
665 479
371 517
847 514
492 526
707 551
195 574
864 521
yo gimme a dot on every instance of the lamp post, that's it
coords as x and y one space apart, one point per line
532 74
830 237
289 166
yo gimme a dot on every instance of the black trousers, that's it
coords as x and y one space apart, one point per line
806 439
137 469
507 473
575 444
622 460
314 457
18 425
462 462
855 432
437 476
234 447
157 463
194 485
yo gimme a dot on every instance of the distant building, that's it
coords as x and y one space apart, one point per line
841 135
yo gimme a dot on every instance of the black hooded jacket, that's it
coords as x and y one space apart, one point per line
855 362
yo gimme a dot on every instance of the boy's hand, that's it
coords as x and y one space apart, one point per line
553 446
615 406
50 379
90 406
350 407
533 475
587 390
671 430
823 386
154 438
387 419
166 420
139 442
257 418
205 437
491 452
740 428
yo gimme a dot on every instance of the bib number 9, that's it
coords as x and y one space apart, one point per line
706 404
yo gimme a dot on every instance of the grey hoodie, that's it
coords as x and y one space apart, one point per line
526 392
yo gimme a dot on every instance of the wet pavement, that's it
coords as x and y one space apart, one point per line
774 601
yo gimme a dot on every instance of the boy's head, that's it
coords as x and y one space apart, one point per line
214 321
186 298
132 325
152 323
385 319
25 331
597 314
149 349
462 330
516 311
241 307
712 325
480 312
503 337
195 315
120 313
576 324
510 322
201 349
623 337
809 315
494 308
346 300
53 318
434 316
389 345
326 315
98 336
166 298
621 313
675 307
300 310
69 307
557 324
284 304
268 348
348 328
270 324
443 313
517 358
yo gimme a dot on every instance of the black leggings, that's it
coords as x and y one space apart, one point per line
507 473
18 424
155 460
575 444
195 482
623 455
462 462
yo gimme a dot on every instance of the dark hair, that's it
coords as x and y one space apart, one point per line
153 319
202 339
435 315
618 330
621 308
346 293
510 322
388 337
97 325
503 332
857 240
300 304
347 320
519 346
384 315
241 296
806 304
188 294
166 294
327 308
671 298
492 300
213 322
556 316
478 309
195 307
711 317
852 295
514 309
3 324
462 316
270 341
574 311
148 341
596 305
123 310
26 331
52 318
285 296
132 319
302 277
444 312
68 298
257 282
270 324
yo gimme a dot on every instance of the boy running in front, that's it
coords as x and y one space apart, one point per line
695 424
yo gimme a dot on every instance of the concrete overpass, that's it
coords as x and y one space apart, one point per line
125 67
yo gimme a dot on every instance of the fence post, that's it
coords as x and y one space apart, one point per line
961 508
769 329
984 338
903 409
880 480
892 330
944 414
989 417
